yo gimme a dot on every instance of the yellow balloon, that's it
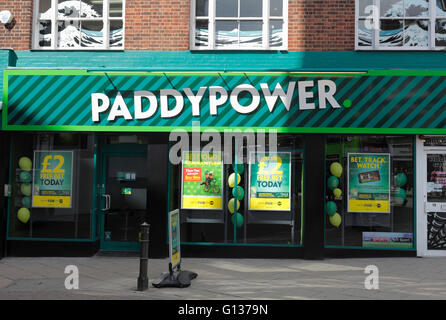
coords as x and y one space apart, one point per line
336 169
23 215
25 188
337 192
335 220
231 180
231 205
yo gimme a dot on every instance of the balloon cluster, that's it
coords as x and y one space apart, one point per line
238 193
333 184
25 165
399 194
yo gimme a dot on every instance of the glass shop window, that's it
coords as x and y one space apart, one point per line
253 196
78 24
400 24
52 186
239 24
370 192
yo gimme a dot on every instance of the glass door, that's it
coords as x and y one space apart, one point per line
435 203
123 200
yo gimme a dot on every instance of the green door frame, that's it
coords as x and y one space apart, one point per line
107 151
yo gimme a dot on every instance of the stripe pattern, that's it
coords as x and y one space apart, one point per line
49 100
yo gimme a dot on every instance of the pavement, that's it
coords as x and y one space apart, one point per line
115 278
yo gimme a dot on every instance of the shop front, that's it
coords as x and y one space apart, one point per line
266 164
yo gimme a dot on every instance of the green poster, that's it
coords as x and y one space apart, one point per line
52 180
369 182
270 181
202 180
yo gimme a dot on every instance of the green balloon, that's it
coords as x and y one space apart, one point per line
332 182
336 169
237 218
25 163
25 176
400 180
231 180
26 202
25 188
238 193
337 192
23 215
335 220
231 205
240 167
399 196
331 208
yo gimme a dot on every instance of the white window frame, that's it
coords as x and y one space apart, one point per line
431 17
265 27
54 19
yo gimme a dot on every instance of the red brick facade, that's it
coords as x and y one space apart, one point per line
314 25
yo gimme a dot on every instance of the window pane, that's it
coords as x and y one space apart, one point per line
250 33
116 33
68 8
92 35
365 33
276 33
391 33
68 34
226 33
372 208
46 220
391 8
440 33
201 33
417 8
276 8
91 9
44 9
250 8
226 8
441 8
247 219
115 8
416 33
364 8
45 33
202 8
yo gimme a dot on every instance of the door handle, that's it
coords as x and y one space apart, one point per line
107 202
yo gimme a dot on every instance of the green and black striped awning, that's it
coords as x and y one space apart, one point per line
393 102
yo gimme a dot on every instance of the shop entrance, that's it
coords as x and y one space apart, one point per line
123 196
433 218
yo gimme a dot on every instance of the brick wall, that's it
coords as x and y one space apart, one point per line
314 25
19 36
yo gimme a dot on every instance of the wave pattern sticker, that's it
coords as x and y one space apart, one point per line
74 33
231 38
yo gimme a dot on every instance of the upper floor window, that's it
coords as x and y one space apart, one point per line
239 24
400 24
78 24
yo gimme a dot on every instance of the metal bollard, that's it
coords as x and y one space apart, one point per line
143 279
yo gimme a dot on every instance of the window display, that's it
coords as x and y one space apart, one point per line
370 192
52 186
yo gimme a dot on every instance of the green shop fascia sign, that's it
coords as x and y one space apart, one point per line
371 102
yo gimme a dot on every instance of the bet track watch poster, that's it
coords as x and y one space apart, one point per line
202 180
52 179
270 181
369 182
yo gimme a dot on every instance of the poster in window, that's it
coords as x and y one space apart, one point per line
202 180
368 182
270 181
52 179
